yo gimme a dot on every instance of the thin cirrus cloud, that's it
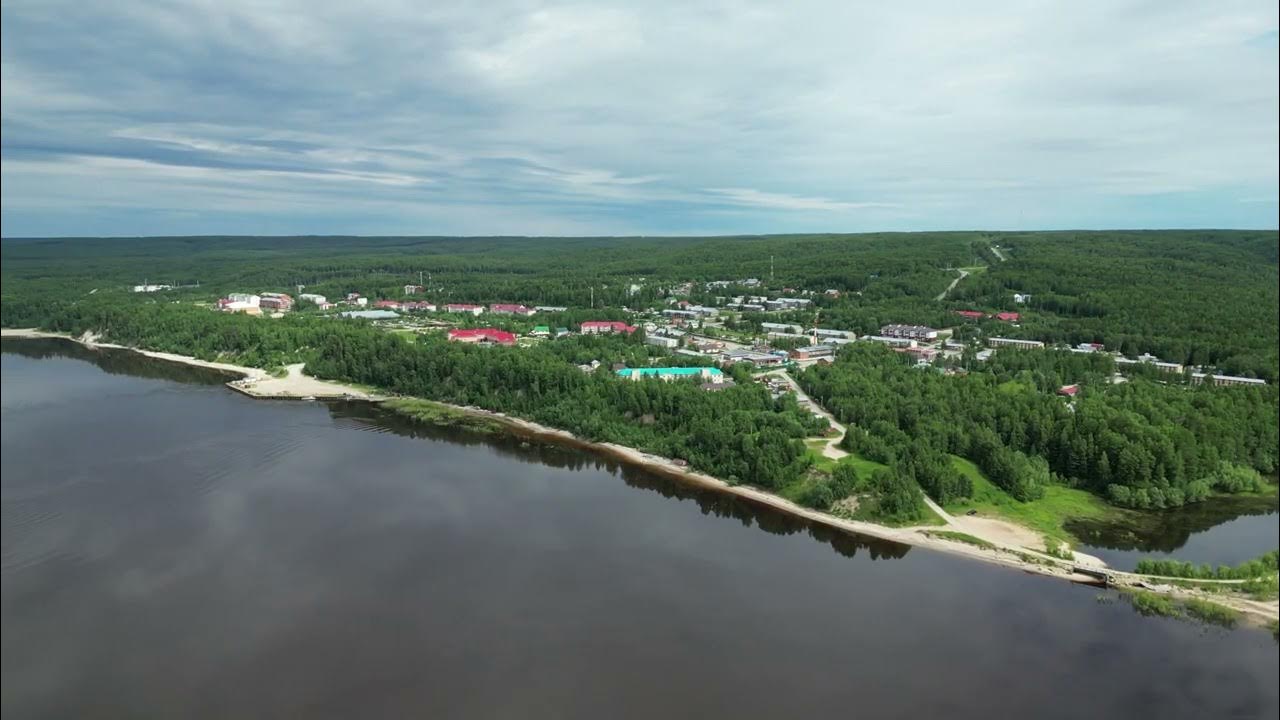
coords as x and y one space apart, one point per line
230 116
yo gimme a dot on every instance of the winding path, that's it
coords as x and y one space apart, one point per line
943 295
832 447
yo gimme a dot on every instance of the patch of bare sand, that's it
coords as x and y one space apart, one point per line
1000 532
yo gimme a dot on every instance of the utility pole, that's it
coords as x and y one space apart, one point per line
593 297
770 268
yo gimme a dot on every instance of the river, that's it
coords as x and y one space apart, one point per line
174 549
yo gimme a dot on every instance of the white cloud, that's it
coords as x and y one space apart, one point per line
781 201
831 115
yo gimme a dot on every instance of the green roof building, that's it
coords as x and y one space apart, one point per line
673 373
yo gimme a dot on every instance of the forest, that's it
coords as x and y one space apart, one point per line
1141 444
1206 298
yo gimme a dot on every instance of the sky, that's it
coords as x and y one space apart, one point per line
274 117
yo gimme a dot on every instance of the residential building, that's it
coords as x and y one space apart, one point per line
893 342
1021 298
418 305
464 308
313 298
813 352
598 327
413 289
275 301
685 314
1198 378
781 327
1069 390
663 342
511 309
540 331
482 335
562 332
914 332
921 353
706 374
550 308
361 301
1153 361
971 314
787 303
1008 316
388 304
1014 343
835 334
151 288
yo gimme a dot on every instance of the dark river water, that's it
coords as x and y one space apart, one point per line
174 549
1222 531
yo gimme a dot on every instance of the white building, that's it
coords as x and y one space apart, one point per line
312 297
151 288
1014 343
663 342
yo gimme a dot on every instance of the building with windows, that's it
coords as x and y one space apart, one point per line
913 332
1014 342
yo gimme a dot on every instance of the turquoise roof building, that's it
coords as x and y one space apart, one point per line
672 373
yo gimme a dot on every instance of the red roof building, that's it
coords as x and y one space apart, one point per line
592 327
483 335
1069 390
388 304
1008 316
510 309
971 314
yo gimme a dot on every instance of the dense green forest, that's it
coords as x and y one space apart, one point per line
1198 297
1141 443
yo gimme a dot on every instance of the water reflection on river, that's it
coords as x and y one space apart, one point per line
174 549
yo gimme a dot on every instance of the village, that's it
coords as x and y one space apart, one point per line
695 339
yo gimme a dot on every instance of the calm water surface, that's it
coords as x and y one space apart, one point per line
173 549
1224 531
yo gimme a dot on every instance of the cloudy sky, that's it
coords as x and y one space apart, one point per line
281 117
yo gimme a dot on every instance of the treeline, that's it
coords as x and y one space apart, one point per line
1140 444
740 434
1193 297
1261 566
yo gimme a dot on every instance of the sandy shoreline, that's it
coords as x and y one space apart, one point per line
257 383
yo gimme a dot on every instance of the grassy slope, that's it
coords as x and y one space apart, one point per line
1045 515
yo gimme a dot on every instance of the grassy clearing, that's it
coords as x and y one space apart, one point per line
1045 515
